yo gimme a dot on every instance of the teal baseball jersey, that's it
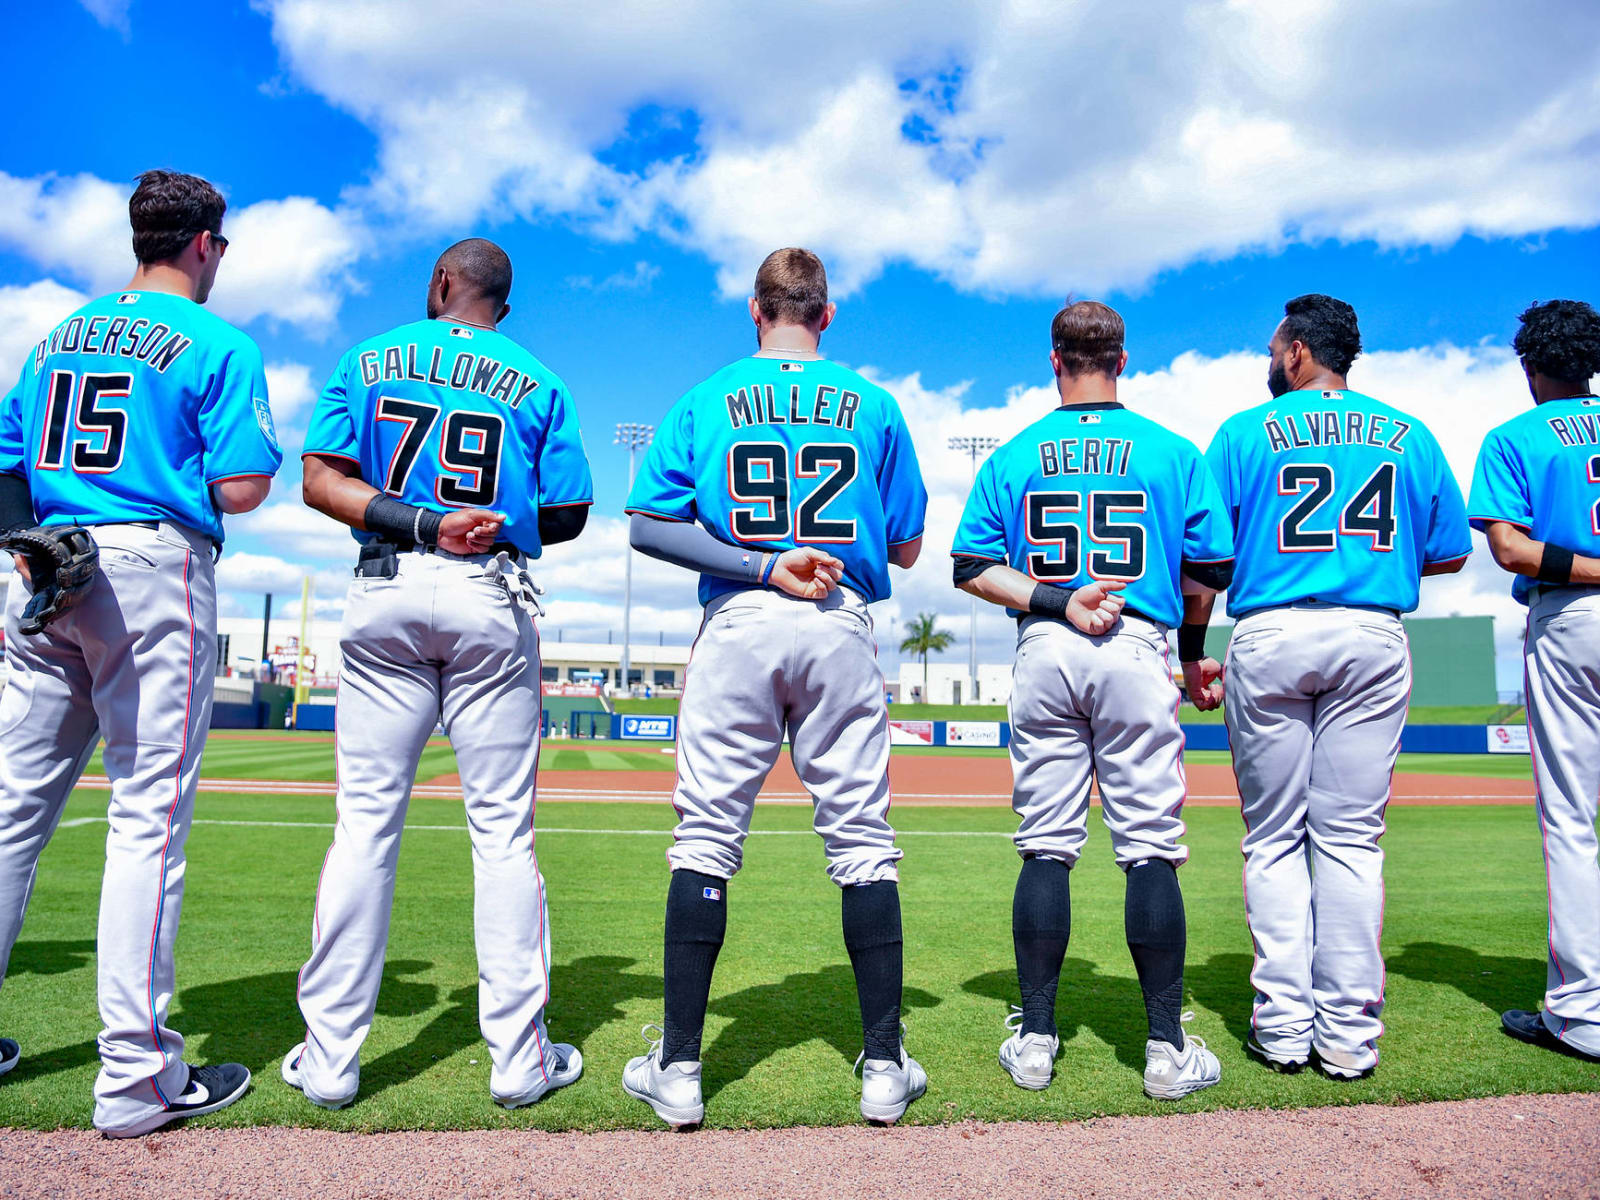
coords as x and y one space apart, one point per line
132 408
1335 497
1540 471
774 453
1096 492
446 416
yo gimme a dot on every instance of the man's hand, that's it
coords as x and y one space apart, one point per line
1203 681
470 531
807 573
1095 607
22 569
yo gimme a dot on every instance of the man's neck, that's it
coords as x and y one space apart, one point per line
1546 389
1321 380
470 315
789 339
1076 390
163 277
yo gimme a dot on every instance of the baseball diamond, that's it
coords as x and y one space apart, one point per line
453 911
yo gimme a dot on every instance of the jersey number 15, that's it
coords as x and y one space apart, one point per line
87 404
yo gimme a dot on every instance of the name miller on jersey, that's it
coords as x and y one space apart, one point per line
758 405
468 373
159 345
1346 427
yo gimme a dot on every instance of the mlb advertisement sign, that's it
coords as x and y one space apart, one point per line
1508 739
649 729
910 733
972 733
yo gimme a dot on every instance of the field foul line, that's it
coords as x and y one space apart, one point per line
540 830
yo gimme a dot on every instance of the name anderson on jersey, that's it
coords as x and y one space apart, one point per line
159 345
469 372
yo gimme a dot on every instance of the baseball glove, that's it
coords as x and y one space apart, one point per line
62 560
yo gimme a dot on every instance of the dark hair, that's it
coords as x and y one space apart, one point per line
1087 337
1560 339
1326 327
481 266
167 209
792 287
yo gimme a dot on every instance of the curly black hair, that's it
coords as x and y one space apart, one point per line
1326 327
1560 339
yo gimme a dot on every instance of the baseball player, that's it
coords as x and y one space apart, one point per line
1536 494
454 455
790 484
141 418
1084 527
1339 504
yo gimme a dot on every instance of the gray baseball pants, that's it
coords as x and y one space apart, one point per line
134 663
1562 656
766 664
1316 702
446 639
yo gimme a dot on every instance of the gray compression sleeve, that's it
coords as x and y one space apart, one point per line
686 544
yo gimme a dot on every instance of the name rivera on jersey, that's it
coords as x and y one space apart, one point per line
469 372
1579 429
158 344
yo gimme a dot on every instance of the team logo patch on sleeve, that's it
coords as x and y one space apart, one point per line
264 420
711 893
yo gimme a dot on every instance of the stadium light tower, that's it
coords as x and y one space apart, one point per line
635 437
975 448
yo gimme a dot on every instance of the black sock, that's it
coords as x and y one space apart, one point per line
1156 938
697 921
1041 925
871 917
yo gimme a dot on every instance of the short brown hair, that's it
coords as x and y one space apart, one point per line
1087 337
792 287
167 209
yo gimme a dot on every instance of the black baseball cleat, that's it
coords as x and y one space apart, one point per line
1283 1066
10 1055
1530 1027
208 1089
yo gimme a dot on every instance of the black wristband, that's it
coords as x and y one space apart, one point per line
16 503
1191 642
1555 565
405 524
1049 601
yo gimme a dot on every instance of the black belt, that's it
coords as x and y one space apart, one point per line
216 546
381 560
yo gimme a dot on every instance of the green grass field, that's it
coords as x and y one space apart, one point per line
783 1028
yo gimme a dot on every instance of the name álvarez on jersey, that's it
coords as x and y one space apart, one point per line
1334 427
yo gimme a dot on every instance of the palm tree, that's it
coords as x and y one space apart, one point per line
922 639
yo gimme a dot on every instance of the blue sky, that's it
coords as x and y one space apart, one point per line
960 171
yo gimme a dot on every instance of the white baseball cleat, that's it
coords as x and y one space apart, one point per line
291 1075
568 1068
10 1055
673 1091
1029 1058
1171 1074
887 1087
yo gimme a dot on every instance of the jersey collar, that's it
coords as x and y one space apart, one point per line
1097 405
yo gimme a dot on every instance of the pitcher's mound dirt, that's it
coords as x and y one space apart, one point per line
1511 1146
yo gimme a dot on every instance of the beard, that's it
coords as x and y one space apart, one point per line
434 308
1277 379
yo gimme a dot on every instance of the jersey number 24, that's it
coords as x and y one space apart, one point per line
1369 514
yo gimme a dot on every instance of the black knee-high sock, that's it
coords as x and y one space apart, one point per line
1156 938
871 917
697 921
1041 925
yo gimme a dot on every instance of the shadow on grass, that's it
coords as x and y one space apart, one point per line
1222 985
589 993
1496 981
255 1020
1109 1006
772 1017
51 958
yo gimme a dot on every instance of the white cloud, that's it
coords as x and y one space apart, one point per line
27 314
113 14
288 260
291 393
1005 146
637 279
288 526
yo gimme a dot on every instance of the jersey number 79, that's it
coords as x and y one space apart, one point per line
468 451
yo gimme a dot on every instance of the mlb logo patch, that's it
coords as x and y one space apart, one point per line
1089 419
711 893
1333 395
128 298
791 366
457 331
